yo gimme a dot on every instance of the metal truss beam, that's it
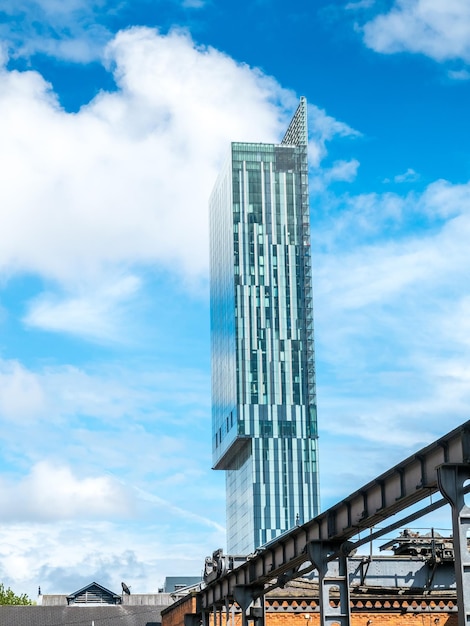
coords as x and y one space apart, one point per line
407 483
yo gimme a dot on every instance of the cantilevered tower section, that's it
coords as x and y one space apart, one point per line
263 372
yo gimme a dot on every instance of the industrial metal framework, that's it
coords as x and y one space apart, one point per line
324 542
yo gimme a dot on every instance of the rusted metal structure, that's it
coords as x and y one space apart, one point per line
325 542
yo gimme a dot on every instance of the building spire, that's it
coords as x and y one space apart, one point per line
297 133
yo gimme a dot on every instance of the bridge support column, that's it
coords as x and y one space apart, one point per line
217 615
452 479
251 602
332 574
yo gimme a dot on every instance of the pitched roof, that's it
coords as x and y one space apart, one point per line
94 592
74 615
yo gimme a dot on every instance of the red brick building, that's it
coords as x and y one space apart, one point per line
298 605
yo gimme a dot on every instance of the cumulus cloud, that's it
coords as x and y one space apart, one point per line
443 199
123 183
126 179
68 496
436 29
345 171
65 555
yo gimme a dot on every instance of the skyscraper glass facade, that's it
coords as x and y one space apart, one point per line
263 373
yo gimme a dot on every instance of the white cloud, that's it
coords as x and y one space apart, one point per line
94 444
459 74
354 221
343 170
112 394
69 30
340 171
95 314
3 54
442 199
360 4
65 555
409 176
123 184
125 180
53 492
97 417
21 394
324 128
431 27
391 317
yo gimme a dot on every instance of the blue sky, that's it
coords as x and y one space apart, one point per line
114 120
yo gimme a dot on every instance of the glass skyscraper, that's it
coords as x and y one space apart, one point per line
263 372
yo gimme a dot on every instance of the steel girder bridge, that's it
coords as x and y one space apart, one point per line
324 543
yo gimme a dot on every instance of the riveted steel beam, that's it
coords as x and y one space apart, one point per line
401 486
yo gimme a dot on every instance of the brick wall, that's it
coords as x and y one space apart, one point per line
174 616
369 618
